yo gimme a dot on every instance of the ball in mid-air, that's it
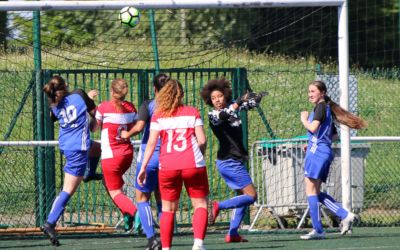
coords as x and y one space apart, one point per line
129 16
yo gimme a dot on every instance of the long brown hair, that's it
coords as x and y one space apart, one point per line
119 89
169 99
339 114
55 89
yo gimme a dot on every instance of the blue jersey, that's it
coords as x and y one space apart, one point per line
145 113
321 140
74 123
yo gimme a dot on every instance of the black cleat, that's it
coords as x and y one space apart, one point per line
153 244
50 231
95 177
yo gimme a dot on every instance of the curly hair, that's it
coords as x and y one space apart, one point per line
55 89
169 99
339 114
222 85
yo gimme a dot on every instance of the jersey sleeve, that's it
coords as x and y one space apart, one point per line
99 113
199 121
144 113
90 105
320 112
154 125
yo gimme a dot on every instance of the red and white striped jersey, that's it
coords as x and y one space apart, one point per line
179 147
113 121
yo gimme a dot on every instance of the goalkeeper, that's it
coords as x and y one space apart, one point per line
231 156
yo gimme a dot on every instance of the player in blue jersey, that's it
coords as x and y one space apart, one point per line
70 110
232 155
143 192
321 131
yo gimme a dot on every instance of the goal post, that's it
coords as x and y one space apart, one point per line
342 32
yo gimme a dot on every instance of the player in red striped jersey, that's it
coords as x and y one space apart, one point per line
115 116
183 144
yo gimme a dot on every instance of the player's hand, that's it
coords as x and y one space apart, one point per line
93 93
141 179
125 134
304 116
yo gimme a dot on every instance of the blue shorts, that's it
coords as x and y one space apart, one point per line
317 165
76 162
234 173
151 182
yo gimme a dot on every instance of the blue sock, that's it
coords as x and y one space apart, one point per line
159 210
93 161
58 207
237 201
236 219
332 205
146 218
313 204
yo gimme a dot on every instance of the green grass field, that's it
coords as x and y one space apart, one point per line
362 238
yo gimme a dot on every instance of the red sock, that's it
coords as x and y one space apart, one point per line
166 228
125 204
200 223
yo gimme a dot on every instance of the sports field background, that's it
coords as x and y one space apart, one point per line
362 238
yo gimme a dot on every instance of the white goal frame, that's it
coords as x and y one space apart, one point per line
343 42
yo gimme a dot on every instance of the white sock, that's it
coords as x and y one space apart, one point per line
166 248
198 242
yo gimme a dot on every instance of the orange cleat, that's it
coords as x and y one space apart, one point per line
212 216
234 239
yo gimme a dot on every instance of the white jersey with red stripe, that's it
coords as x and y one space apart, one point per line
179 147
113 121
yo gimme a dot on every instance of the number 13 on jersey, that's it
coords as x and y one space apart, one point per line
179 143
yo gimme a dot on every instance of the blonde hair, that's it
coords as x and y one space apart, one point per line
169 99
339 114
119 89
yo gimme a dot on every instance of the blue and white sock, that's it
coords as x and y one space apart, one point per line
236 202
313 204
58 207
146 218
236 219
332 205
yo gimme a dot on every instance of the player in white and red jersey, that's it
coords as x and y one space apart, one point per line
115 116
183 144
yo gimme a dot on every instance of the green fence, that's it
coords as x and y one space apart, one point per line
39 169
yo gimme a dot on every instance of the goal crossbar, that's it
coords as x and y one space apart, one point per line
160 4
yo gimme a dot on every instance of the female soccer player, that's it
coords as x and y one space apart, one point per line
74 141
143 193
115 116
183 144
231 155
319 155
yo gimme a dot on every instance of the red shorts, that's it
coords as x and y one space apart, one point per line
195 180
114 169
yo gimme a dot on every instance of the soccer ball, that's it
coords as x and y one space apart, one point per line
129 16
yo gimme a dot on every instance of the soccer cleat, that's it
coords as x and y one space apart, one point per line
347 223
153 244
212 216
313 235
94 177
128 222
197 247
50 231
234 239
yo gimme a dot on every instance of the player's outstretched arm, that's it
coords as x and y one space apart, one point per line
151 145
136 129
201 138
